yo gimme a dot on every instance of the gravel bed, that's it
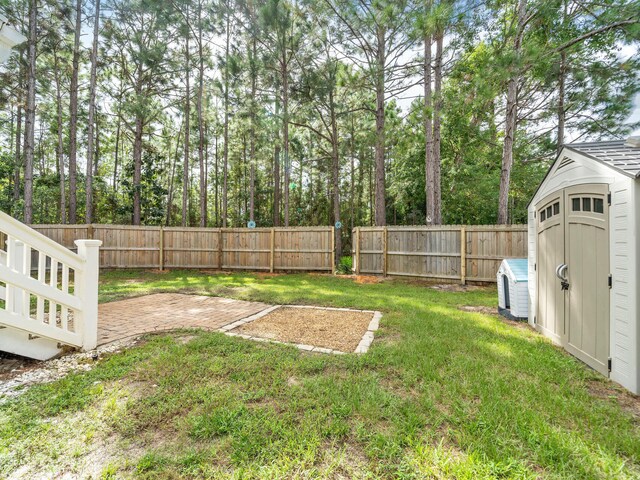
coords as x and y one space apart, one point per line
340 330
31 372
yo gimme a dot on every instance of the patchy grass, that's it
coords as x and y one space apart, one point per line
443 393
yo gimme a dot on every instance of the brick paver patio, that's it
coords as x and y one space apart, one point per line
166 311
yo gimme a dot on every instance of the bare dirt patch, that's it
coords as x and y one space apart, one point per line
493 311
13 365
455 287
368 279
335 329
627 401
479 309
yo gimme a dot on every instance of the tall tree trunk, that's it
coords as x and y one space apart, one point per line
60 145
352 178
118 126
96 156
437 107
137 170
428 133
276 184
216 200
92 114
187 118
380 201
276 167
244 180
561 93
18 154
252 131
203 176
285 137
115 161
511 115
73 116
335 178
252 180
172 179
225 151
360 198
30 117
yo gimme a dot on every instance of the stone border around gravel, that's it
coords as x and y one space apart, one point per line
362 347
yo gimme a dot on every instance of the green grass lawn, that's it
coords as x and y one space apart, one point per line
443 393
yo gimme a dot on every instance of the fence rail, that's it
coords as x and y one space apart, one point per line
416 251
265 249
452 252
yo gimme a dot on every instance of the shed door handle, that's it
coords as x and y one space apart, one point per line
561 270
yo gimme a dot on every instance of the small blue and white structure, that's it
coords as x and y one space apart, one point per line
513 291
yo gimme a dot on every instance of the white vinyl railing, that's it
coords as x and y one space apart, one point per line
47 290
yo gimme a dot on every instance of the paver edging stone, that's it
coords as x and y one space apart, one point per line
363 346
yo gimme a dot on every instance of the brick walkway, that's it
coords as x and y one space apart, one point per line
166 311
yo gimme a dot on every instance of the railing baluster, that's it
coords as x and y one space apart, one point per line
26 270
53 282
10 289
42 278
64 312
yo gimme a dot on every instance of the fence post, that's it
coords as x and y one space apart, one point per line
220 249
272 248
86 285
463 255
333 250
161 248
385 249
358 251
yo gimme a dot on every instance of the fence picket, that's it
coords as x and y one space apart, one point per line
445 252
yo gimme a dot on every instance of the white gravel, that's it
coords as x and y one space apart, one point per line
51 370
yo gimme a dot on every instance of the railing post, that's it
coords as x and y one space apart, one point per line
86 286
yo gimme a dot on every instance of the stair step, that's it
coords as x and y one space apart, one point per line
22 343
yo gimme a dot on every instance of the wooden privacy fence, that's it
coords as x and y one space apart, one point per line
268 249
463 253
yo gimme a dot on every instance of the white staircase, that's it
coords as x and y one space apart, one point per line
48 294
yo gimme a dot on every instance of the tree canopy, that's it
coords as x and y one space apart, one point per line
294 112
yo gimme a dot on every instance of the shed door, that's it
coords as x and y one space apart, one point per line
550 251
572 226
587 258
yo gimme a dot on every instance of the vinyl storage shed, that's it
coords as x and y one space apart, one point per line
583 256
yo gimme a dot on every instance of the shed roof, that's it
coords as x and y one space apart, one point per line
614 153
517 267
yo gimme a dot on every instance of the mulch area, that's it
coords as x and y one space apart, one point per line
12 365
339 330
